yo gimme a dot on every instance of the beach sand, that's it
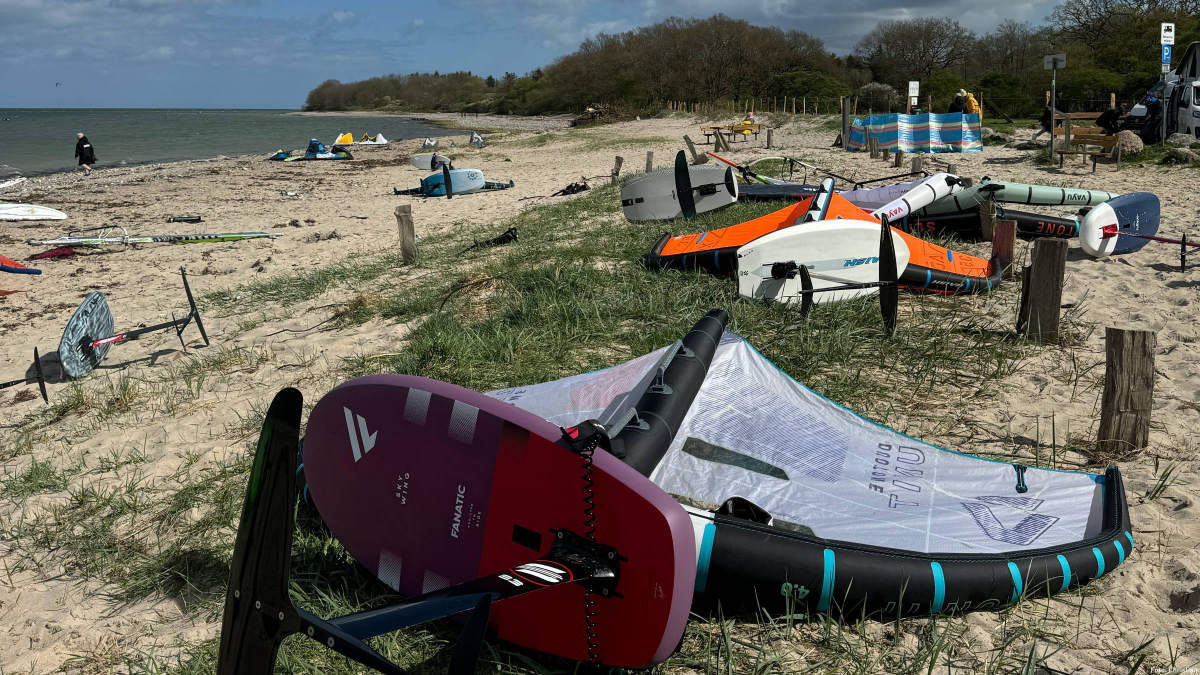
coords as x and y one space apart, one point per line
50 610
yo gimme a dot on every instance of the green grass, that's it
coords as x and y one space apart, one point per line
1005 127
39 478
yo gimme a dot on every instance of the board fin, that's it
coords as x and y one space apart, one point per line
889 289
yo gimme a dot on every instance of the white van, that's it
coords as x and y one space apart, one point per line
1180 91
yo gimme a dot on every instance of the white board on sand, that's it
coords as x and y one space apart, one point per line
651 196
834 251
29 212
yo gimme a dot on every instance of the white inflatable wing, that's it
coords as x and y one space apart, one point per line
754 432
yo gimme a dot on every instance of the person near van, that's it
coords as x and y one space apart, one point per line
1110 120
85 153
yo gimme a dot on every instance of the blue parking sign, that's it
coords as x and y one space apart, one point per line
1166 53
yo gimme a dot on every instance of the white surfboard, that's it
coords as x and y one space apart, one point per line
651 196
835 252
29 212
426 160
9 183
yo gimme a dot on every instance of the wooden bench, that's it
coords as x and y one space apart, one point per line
1106 143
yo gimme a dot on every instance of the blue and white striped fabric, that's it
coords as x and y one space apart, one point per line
948 132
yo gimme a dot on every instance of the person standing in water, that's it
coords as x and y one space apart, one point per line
85 153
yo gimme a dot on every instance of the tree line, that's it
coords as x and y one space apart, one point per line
1112 47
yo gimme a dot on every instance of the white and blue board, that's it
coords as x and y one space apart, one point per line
1136 213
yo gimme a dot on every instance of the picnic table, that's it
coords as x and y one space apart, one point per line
730 131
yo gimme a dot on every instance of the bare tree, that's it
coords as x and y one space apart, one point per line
912 49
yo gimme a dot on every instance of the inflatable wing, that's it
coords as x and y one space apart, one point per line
826 511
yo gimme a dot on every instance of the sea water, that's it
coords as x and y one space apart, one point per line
38 141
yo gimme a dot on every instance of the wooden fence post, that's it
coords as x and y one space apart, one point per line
887 155
916 163
649 161
696 159
803 106
1128 390
1004 245
845 123
616 172
769 138
952 169
987 219
1041 290
899 158
408 235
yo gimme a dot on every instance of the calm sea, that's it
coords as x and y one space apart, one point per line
36 141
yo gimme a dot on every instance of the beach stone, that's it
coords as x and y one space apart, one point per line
1183 156
1179 139
986 132
1131 143
1028 145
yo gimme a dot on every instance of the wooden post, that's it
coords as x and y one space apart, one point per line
856 106
887 155
1041 291
845 123
649 161
793 105
408 235
803 106
967 182
696 159
1128 390
774 102
952 169
873 146
1112 100
929 103
916 163
899 159
987 219
1004 243
769 138
616 172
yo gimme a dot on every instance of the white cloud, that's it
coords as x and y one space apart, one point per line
418 22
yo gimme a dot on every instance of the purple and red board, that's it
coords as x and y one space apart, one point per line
429 485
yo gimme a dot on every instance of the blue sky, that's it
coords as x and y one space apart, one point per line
269 53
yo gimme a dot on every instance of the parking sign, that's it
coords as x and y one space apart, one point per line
1166 53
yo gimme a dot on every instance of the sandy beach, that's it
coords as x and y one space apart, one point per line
147 420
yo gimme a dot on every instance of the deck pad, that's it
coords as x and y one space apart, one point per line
429 485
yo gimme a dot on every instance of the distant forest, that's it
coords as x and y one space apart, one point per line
1112 46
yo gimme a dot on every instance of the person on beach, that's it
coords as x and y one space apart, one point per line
959 104
85 153
1046 122
1110 120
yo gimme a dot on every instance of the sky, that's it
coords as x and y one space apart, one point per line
270 53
